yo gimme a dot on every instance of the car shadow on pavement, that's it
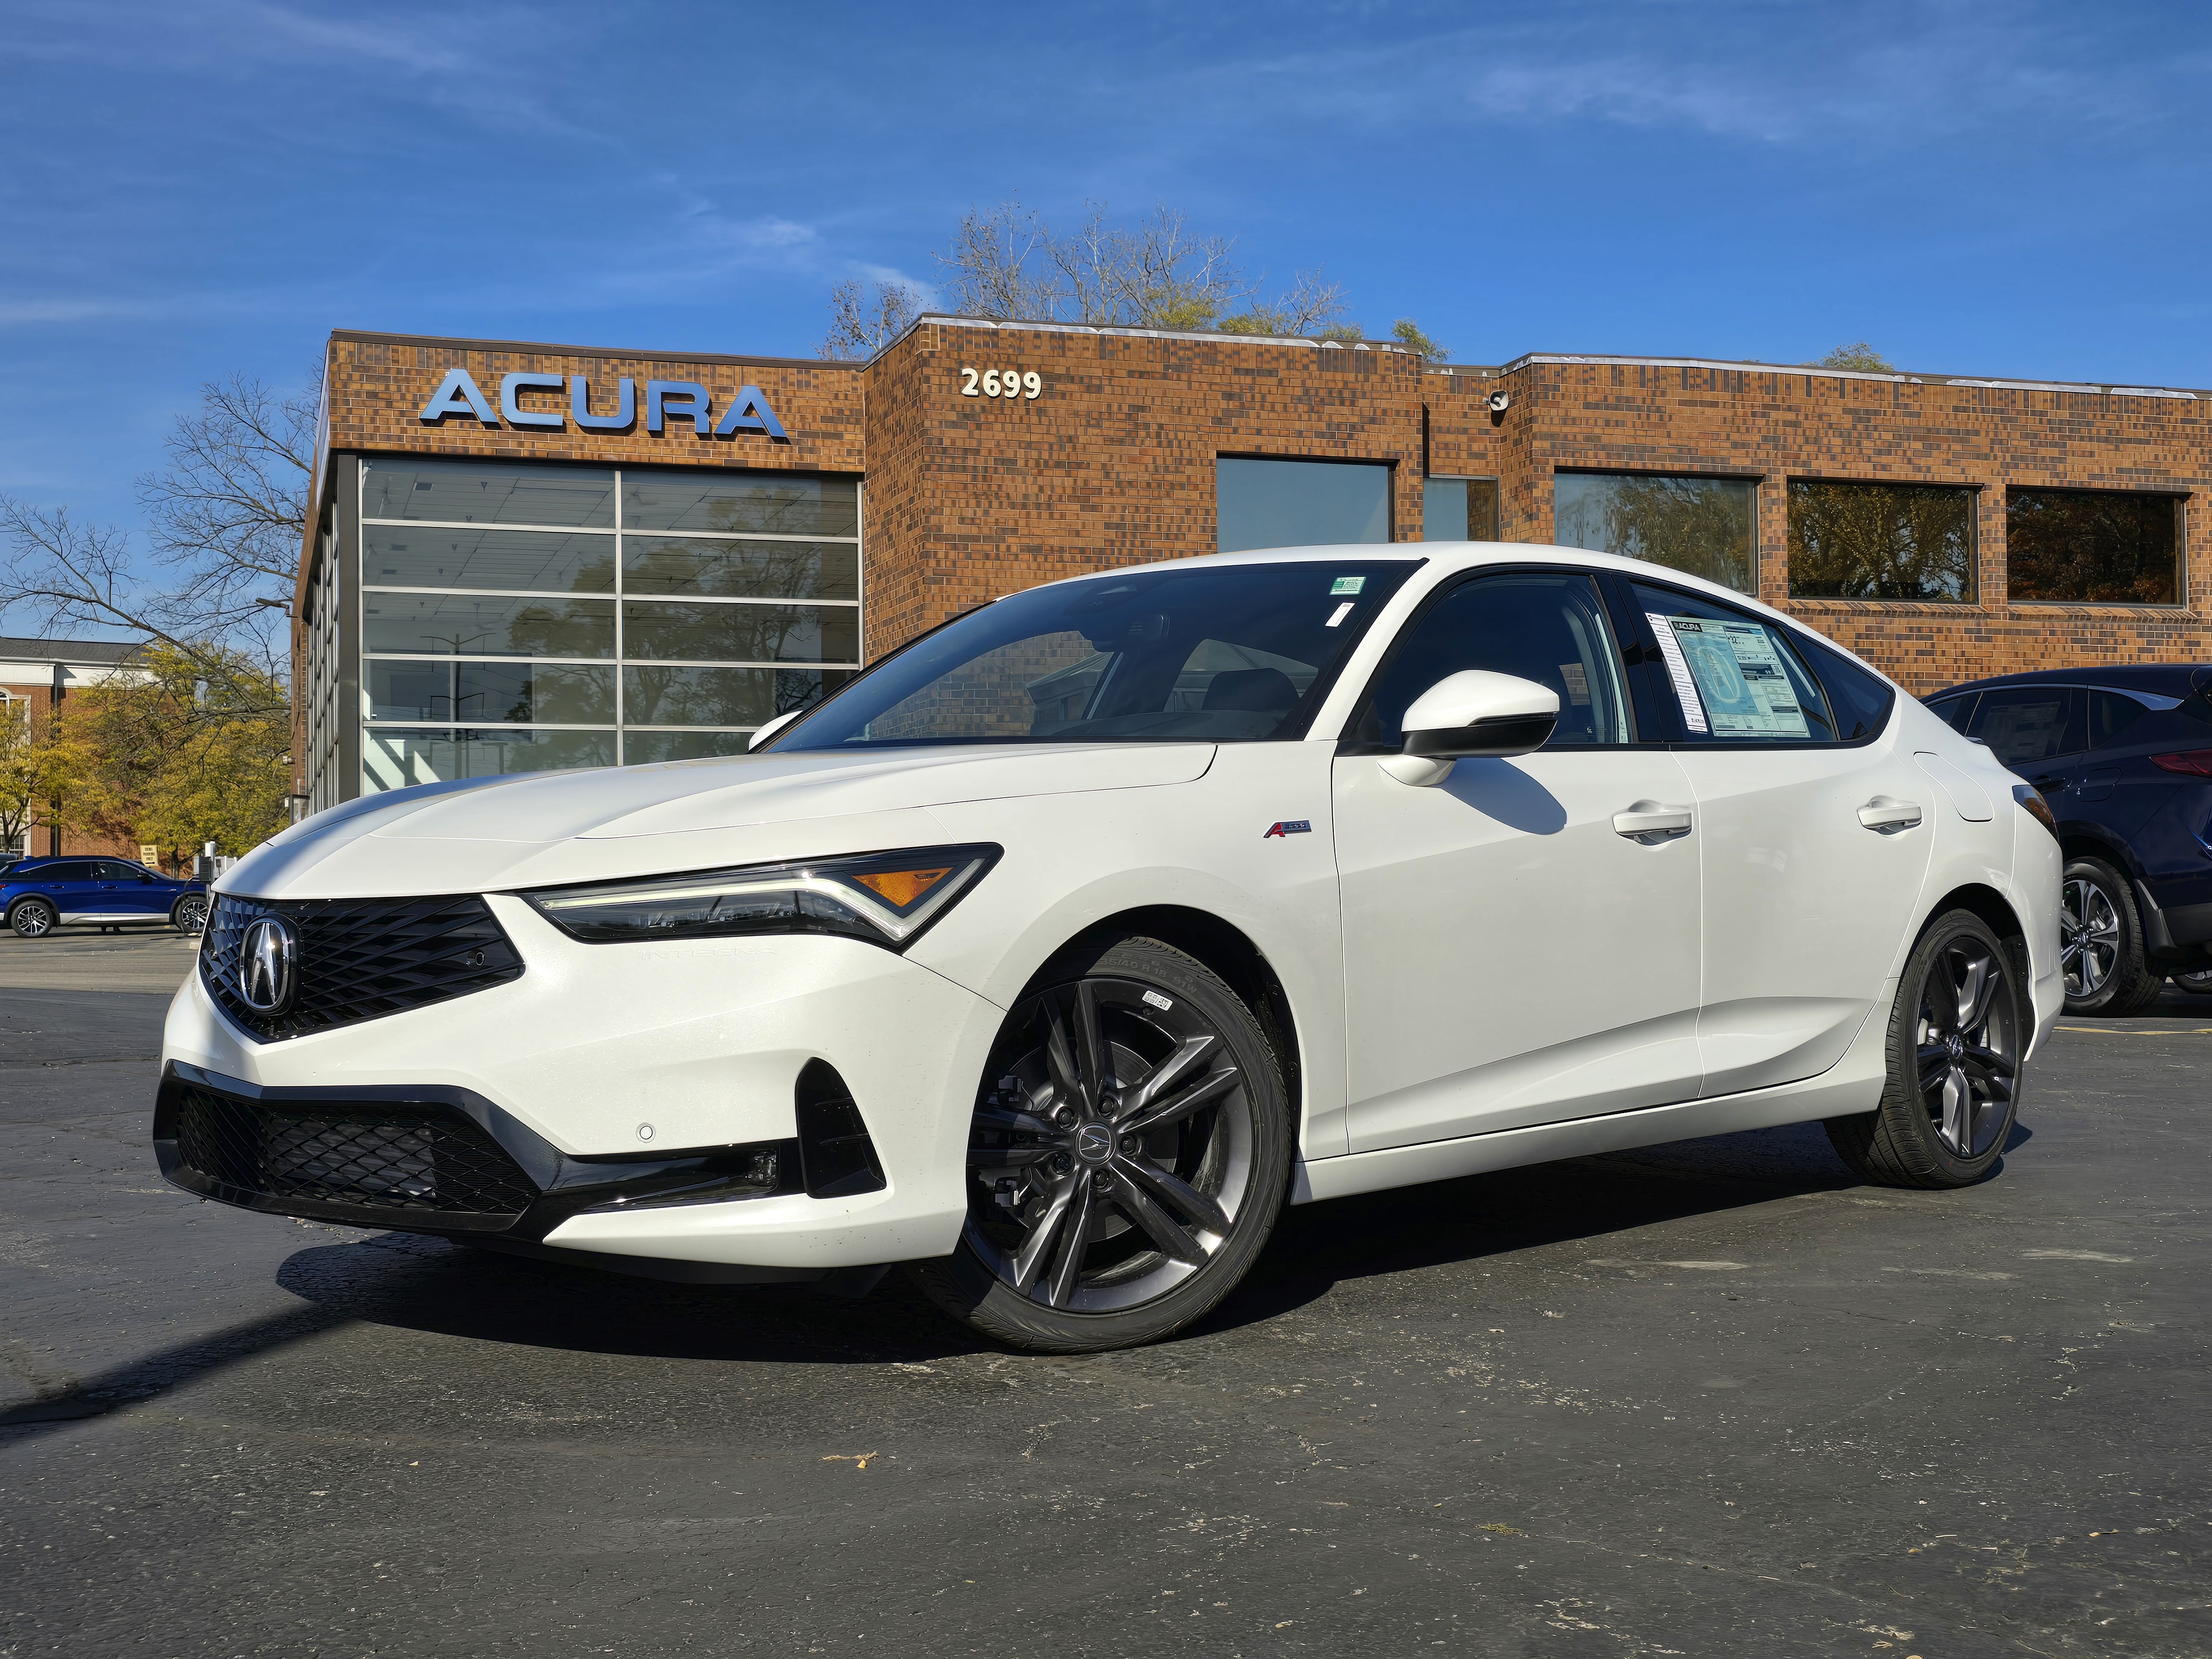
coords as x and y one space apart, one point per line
425 1284
407 1282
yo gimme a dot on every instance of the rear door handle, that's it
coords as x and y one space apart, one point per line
1886 814
1649 821
2051 786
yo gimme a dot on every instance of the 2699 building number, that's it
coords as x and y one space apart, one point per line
1000 383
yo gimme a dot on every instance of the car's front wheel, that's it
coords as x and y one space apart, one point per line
188 915
1957 1033
2100 943
33 918
1129 1152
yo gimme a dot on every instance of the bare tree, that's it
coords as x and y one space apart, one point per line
862 324
988 271
225 517
1008 265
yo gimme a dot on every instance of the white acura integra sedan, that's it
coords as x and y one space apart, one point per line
1058 951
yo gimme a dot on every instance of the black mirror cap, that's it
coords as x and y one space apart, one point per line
1498 738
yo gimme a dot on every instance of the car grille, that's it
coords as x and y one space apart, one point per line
371 1157
360 958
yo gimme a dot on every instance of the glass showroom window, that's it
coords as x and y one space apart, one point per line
519 618
1459 509
1300 503
1880 541
2093 546
1706 526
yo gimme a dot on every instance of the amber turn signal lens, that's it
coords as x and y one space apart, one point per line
2032 802
901 888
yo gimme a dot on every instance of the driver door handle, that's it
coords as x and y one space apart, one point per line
1886 814
1649 821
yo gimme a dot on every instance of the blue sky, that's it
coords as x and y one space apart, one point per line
190 190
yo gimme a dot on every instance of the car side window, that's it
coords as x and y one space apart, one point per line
2110 715
1736 678
62 873
1953 711
2025 723
1536 625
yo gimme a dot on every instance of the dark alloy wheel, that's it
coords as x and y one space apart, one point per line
190 913
2197 981
33 918
1956 1037
1128 1155
2100 943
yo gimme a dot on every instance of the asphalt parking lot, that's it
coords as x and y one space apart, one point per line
1713 1398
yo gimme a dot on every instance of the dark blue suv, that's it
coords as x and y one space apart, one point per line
39 895
2123 755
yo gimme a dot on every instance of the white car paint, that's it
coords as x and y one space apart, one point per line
1487 972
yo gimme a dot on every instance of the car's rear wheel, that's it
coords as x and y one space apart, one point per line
34 918
1129 1151
2100 943
1956 1036
188 915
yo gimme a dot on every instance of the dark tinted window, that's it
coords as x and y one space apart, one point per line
1880 541
60 873
1954 710
1862 701
115 870
2025 723
2089 545
1545 628
2110 715
1737 680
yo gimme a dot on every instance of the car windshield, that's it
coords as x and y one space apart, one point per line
1210 653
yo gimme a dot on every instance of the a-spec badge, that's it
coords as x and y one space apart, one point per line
1289 827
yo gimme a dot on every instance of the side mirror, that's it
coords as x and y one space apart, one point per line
762 734
1468 715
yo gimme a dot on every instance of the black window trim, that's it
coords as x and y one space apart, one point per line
1346 745
1810 663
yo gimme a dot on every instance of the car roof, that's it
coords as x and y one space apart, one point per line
2160 679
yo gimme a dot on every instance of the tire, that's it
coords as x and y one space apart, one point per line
188 915
1131 1061
2101 943
2197 981
34 918
1956 1034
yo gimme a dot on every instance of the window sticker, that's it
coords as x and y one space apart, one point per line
1740 679
1693 712
1344 585
1342 611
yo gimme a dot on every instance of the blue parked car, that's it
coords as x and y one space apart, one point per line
39 895
2123 755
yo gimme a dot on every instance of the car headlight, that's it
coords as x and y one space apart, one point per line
885 898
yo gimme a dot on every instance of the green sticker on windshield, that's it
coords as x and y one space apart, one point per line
1347 584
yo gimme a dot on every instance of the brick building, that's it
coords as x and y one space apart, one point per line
35 677
530 556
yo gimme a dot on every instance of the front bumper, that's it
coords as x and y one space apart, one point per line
608 1075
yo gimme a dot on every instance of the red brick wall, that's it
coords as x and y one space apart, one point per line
968 498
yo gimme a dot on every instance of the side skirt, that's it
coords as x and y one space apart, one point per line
1854 1083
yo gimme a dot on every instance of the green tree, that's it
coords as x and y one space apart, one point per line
1407 334
1858 356
181 759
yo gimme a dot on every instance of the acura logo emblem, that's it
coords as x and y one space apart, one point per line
268 965
1094 1142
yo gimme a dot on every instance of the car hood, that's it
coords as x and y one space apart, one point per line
550 827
